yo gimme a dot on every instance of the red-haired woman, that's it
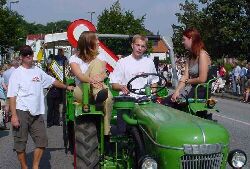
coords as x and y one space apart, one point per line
196 68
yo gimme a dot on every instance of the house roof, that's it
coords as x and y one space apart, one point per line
35 37
160 47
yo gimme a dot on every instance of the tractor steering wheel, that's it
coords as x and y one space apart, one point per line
145 75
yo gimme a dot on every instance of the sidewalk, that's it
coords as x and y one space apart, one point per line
228 95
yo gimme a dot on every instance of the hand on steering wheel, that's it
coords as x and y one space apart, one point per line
142 90
124 89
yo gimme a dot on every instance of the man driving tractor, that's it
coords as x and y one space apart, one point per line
135 64
129 67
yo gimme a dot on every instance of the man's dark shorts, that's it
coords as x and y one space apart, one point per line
29 124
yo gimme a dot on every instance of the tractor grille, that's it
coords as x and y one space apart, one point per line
209 161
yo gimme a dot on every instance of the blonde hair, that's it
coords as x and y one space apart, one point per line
141 37
87 46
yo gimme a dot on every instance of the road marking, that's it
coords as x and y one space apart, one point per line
233 119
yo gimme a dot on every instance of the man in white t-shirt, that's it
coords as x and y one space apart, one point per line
25 92
126 69
135 64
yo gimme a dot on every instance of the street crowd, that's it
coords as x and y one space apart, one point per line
235 81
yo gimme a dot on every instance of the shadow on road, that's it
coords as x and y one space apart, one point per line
45 161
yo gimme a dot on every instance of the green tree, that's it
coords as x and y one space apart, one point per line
2 3
33 28
12 29
117 21
189 18
223 24
59 26
51 27
231 25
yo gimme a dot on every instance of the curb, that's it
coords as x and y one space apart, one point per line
228 96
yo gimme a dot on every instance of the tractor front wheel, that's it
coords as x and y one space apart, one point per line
86 144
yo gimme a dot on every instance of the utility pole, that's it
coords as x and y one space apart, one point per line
13 2
91 14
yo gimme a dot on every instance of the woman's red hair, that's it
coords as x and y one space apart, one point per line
197 43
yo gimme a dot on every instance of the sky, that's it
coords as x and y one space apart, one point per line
160 14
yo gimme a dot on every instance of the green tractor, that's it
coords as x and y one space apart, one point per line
145 134
201 107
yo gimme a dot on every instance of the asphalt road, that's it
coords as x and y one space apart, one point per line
54 156
235 116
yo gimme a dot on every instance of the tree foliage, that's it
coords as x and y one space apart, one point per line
59 26
223 24
14 29
2 3
51 27
117 21
189 18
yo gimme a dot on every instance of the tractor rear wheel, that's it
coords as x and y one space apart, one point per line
86 144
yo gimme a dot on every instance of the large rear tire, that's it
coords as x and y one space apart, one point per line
86 144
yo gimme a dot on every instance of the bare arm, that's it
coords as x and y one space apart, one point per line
14 118
183 79
154 87
95 80
75 68
118 87
181 84
62 86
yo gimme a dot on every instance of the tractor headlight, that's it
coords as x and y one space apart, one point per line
149 163
237 158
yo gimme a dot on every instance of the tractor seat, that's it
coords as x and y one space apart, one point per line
192 100
124 98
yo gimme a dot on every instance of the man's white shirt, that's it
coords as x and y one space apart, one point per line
128 67
27 86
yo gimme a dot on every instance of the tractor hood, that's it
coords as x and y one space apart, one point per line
170 127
